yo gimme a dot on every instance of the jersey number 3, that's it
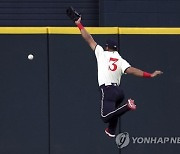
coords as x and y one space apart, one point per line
113 65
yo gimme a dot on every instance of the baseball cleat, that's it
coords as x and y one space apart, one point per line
131 104
107 131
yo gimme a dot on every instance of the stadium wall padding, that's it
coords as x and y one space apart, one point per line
51 104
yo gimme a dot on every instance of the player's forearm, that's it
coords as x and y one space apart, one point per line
85 34
138 72
135 71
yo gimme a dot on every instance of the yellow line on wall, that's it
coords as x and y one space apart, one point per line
23 30
75 30
146 30
91 30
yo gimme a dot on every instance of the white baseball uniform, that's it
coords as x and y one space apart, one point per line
111 66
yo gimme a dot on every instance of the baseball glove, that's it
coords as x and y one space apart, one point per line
72 14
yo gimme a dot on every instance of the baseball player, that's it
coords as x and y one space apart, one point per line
111 66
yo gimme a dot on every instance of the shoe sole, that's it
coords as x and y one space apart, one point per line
110 135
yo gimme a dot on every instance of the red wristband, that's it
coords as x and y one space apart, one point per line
80 26
146 75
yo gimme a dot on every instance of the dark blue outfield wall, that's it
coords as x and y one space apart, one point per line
50 105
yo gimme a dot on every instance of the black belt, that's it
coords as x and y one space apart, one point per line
111 84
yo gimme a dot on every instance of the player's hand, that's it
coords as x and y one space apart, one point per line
156 73
78 21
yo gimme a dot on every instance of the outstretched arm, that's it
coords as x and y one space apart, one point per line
86 35
140 73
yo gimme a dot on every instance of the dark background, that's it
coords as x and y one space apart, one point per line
51 104
131 13
23 95
157 99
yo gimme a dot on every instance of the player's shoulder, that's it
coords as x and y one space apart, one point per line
116 53
99 48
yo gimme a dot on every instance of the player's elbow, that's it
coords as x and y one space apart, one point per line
130 70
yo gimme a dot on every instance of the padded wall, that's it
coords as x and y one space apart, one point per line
51 104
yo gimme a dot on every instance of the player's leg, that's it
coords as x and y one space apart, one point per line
108 105
108 102
111 107
106 109
111 129
112 118
122 109
113 122
107 115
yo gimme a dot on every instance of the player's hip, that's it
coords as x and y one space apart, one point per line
111 92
